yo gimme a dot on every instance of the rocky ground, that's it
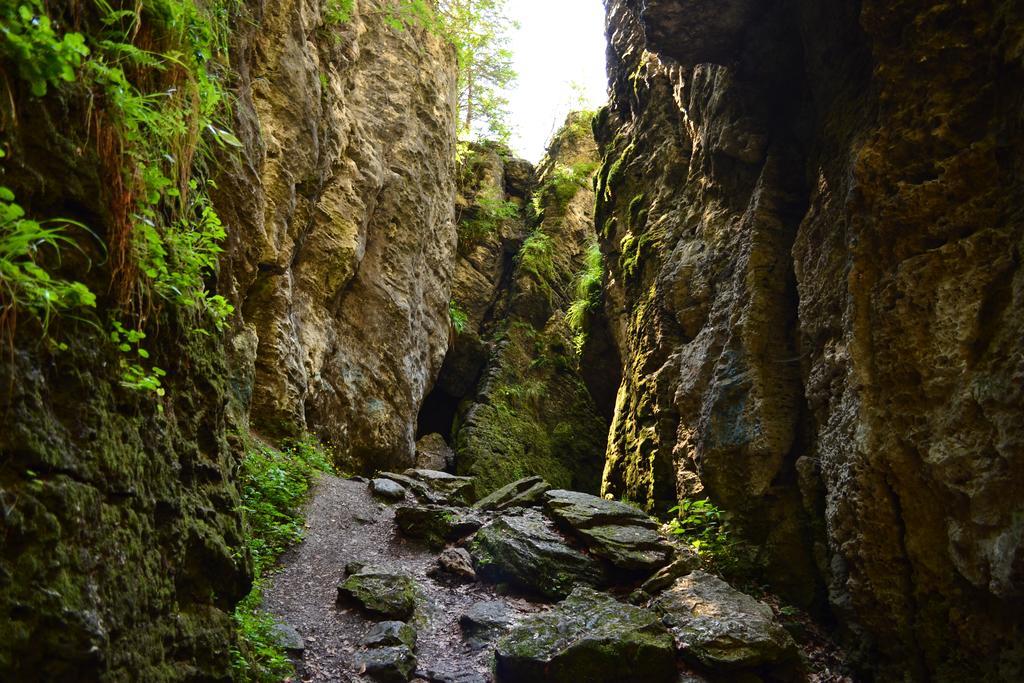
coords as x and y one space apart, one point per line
403 578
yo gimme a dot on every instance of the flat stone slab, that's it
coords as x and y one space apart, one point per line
436 524
722 628
432 486
526 551
589 637
619 533
521 493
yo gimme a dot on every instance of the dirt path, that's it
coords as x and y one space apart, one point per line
345 523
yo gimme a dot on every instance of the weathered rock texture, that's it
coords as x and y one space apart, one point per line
531 412
344 238
121 546
811 219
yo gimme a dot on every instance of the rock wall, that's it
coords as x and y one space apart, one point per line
343 252
527 409
122 551
815 285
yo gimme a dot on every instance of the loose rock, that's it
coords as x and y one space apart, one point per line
524 550
386 488
620 533
289 638
486 621
386 594
436 524
589 637
521 493
455 563
389 633
722 628
434 453
387 664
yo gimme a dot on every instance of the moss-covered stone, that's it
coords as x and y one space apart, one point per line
589 637
390 595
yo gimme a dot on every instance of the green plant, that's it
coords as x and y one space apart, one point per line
338 12
133 374
536 257
489 210
458 317
274 485
588 295
702 524
43 58
25 283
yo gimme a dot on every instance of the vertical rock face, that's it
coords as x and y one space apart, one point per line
810 220
525 408
345 241
122 551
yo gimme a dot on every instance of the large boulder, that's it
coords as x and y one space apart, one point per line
390 595
434 453
618 532
525 550
392 664
589 637
485 621
520 493
722 628
434 486
436 524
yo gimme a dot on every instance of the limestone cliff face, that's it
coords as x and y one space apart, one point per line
808 212
344 246
512 380
122 551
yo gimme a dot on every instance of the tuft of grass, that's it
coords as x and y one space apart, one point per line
588 295
458 317
275 484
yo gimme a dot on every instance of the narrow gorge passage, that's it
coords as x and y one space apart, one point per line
329 352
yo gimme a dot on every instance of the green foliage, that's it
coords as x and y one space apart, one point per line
152 76
24 281
588 295
479 30
484 218
702 524
338 12
458 317
44 59
259 658
536 257
274 485
133 374
561 185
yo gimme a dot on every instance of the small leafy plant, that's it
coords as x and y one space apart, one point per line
701 523
44 59
458 317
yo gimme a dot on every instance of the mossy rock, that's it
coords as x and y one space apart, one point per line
390 595
588 637
524 550
436 525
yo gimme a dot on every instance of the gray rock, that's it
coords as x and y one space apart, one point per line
526 551
431 486
386 488
393 664
455 563
387 594
589 637
436 524
434 453
388 633
722 628
620 533
288 638
486 621
453 674
667 575
521 493
354 567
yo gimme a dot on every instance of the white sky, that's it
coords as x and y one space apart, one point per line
559 42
